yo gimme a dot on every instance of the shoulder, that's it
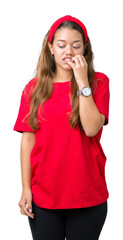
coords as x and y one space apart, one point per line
100 82
30 86
99 76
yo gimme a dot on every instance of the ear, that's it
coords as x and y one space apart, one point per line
50 47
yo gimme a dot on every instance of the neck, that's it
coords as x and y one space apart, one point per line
62 75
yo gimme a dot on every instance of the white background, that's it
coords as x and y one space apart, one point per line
23 26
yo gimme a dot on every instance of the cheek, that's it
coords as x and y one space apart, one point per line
79 52
58 55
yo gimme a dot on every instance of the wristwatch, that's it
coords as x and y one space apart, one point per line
86 91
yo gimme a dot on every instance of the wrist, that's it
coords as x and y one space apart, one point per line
27 186
81 85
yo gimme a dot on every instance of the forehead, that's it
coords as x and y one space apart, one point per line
68 35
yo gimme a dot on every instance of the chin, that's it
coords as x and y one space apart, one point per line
67 66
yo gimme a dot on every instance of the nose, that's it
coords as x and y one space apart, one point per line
69 50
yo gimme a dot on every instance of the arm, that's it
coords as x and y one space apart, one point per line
91 119
92 113
27 144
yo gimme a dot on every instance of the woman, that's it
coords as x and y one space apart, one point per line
61 115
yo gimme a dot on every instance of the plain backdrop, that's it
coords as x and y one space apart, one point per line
23 26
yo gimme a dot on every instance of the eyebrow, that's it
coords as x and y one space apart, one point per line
65 41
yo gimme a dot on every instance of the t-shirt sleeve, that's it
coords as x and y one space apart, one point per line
20 125
101 96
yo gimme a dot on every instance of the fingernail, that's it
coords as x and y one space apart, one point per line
30 210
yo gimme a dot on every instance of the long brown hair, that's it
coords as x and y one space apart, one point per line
45 71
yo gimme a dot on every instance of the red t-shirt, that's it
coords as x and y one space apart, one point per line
67 166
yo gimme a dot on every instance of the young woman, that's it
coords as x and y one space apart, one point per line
61 115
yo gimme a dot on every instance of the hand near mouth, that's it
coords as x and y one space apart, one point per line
80 67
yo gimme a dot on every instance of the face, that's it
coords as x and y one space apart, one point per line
67 44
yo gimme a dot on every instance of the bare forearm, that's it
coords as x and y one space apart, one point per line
26 148
89 114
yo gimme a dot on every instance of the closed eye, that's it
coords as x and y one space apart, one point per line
64 46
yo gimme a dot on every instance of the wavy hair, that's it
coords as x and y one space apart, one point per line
45 71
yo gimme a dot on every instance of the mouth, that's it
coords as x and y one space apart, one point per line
67 60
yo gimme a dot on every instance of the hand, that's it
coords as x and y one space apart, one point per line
80 67
26 198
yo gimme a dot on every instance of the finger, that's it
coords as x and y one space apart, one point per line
82 59
71 63
29 208
76 60
27 213
21 210
24 210
82 62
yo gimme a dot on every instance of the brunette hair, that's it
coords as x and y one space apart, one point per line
45 71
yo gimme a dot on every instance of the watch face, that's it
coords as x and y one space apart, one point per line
86 91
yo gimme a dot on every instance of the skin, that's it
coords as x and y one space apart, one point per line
72 49
64 71
79 67
27 143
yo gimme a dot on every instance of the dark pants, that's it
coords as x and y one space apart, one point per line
67 224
